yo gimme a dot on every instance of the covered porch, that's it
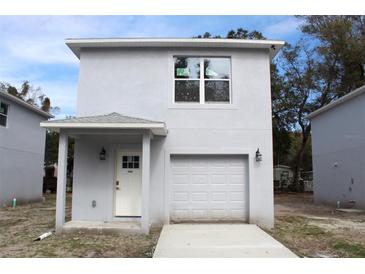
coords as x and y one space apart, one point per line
111 183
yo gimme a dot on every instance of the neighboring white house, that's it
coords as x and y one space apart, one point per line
167 130
338 144
283 176
22 144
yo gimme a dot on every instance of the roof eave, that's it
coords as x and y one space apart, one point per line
26 105
339 101
156 128
76 44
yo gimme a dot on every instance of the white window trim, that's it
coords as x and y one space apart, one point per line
5 115
202 82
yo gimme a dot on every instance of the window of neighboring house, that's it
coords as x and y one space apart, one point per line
202 80
3 114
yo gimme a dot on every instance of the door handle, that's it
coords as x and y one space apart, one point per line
117 183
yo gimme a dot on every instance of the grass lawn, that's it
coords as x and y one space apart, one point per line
312 230
20 226
307 229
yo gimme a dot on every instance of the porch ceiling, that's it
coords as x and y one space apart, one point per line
109 121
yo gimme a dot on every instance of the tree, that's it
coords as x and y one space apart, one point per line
340 49
207 35
51 151
240 33
300 94
31 95
281 118
323 66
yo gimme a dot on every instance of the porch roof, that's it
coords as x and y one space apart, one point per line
109 121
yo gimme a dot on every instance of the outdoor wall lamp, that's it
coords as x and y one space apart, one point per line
258 156
102 154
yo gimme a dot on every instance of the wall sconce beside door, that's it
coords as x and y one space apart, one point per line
102 154
258 156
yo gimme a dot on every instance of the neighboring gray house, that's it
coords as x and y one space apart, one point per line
167 130
22 144
338 145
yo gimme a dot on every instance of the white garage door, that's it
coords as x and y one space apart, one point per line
209 188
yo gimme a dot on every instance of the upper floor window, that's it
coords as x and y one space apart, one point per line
3 114
202 79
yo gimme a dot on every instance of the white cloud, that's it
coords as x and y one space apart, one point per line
62 93
33 47
282 28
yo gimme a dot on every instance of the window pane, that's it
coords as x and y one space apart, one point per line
4 108
125 165
186 67
125 158
136 158
136 165
187 91
130 165
2 120
217 91
217 68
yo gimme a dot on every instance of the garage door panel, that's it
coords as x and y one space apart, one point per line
200 179
218 214
236 179
209 188
237 213
218 196
182 179
236 196
180 214
181 196
218 179
199 196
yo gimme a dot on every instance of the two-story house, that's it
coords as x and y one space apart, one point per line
22 144
170 130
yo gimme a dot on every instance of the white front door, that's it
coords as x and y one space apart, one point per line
128 184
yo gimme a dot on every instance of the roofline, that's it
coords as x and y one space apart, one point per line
156 128
339 101
25 104
75 44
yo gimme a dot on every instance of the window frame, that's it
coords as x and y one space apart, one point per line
5 115
202 81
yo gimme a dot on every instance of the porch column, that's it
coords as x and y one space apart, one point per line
145 219
61 181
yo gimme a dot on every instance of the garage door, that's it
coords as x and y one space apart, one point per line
209 188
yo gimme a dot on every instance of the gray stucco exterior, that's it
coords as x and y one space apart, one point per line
22 144
138 82
338 145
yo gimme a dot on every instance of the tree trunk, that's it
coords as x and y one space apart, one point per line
299 160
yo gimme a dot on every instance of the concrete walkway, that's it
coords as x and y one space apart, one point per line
218 241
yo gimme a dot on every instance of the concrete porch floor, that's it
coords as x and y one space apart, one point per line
218 241
103 227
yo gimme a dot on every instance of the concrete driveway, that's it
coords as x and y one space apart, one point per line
218 241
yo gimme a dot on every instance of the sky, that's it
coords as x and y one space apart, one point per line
32 47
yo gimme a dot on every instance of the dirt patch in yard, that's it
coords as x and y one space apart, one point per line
312 230
20 226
